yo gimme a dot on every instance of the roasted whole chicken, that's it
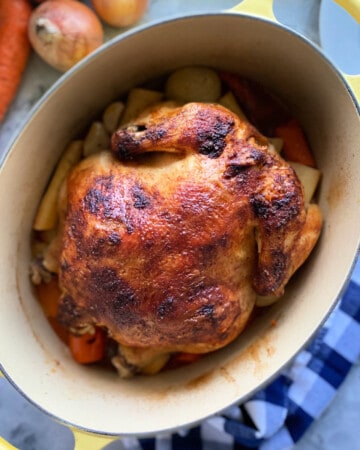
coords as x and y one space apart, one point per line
166 241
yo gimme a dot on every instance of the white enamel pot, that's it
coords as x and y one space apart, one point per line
247 40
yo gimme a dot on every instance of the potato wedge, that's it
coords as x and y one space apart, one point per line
97 139
266 300
156 364
229 101
309 177
193 84
47 214
277 143
138 100
112 115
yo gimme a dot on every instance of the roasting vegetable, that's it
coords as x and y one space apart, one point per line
277 143
261 108
309 177
156 364
14 48
183 358
88 348
112 115
138 100
64 32
266 300
229 101
49 295
295 146
193 84
97 139
46 217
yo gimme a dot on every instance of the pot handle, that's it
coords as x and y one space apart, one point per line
264 9
83 440
352 7
354 82
90 441
4 445
261 8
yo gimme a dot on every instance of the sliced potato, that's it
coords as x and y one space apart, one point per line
97 139
111 116
309 178
193 84
277 143
47 214
229 101
138 100
156 364
266 300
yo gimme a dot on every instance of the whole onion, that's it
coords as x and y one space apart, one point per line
120 13
62 32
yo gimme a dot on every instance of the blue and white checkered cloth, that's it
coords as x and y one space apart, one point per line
276 417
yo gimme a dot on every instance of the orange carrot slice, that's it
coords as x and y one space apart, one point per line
48 295
295 147
88 348
261 107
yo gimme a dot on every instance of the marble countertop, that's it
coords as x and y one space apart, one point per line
30 429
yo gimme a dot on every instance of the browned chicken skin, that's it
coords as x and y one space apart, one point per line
167 241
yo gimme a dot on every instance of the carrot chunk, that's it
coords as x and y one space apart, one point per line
88 348
49 296
295 147
260 106
183 359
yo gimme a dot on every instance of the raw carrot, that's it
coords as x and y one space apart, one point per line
295 146
88 348
14 48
